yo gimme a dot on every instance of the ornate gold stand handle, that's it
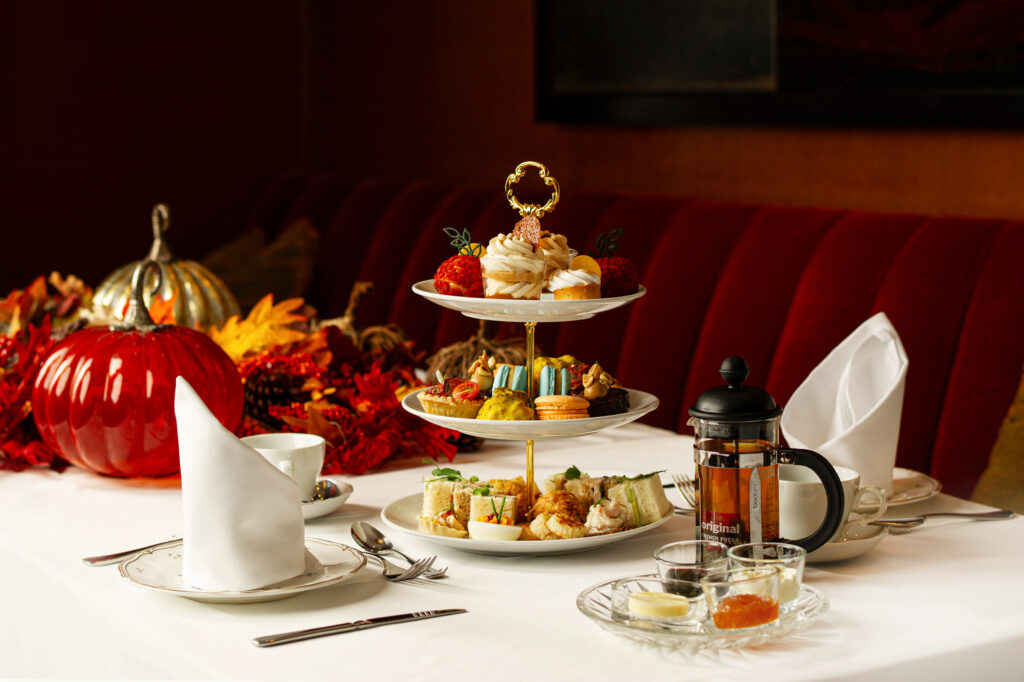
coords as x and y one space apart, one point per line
532 209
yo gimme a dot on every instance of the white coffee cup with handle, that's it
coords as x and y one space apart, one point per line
300 456
802 502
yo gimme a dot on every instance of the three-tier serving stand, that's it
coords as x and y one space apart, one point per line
530 312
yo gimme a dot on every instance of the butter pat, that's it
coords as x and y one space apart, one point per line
658 605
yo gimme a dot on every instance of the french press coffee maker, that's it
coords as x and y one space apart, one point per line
737 453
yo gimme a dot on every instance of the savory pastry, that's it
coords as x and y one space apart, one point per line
603 392
452 398
505 404
443 523
482 372
561 503
643 494
608 516
555 250
556 527
511 269
561 407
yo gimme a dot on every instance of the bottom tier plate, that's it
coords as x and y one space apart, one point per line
403 514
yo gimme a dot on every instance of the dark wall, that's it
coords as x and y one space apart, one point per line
110 107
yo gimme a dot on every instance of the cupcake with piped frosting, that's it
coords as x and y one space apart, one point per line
556 252
512 269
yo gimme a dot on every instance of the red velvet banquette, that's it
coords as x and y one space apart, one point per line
779 286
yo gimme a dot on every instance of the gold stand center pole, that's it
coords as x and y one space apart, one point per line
531 327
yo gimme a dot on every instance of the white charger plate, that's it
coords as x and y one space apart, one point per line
909 486
640 403
159 569
547 309
314 509
403 514
596 603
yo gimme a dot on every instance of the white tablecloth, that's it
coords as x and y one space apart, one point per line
943 602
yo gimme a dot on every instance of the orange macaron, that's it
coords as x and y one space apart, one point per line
561 407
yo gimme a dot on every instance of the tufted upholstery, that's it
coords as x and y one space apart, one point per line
779 286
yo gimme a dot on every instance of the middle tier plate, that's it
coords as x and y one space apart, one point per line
640 403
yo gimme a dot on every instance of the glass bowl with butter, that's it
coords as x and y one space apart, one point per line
653 602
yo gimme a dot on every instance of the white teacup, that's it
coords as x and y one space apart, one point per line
802 502
299 455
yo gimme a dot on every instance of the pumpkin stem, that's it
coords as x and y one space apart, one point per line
137 316
161 218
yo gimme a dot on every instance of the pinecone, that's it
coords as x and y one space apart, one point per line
263 390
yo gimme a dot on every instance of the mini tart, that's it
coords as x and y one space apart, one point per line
446 406
561 407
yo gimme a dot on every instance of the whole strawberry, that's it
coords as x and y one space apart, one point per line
619 277
460 274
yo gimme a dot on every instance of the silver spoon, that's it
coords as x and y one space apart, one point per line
916 521
375 542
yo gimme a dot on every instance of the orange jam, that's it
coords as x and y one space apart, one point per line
745 611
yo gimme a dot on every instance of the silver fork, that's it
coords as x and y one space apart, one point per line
395 574
687 489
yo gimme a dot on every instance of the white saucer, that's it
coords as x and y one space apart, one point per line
910 486
317 508
640 403
159 569
848 547
547 309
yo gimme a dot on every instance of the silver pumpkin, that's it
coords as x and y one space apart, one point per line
202 300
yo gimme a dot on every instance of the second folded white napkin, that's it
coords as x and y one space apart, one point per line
848 409
243 526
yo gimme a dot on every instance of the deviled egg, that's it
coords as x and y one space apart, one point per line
482 530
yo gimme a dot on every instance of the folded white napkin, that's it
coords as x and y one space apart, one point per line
243 526
848 409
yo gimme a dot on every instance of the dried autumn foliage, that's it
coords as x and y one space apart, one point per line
266 326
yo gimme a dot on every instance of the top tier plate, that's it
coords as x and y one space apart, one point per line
547 309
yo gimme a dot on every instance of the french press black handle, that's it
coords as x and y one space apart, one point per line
833 495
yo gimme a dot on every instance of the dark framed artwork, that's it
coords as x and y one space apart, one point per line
802 62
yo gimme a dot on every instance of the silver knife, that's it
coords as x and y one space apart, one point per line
299 635
106 559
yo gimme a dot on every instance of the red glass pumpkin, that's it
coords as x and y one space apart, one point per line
104 397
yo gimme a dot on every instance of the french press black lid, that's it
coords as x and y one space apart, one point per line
735 402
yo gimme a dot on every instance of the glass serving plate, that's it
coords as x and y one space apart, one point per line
547 309
640 403
596 603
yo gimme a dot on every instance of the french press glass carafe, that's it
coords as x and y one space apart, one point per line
737 454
